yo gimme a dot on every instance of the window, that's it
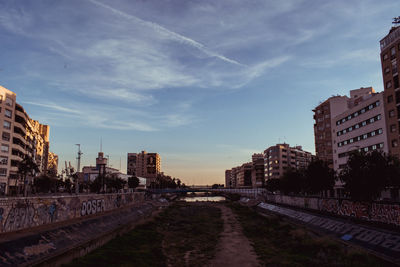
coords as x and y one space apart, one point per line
8 113
396 81
364 123
349 117
393 52
393 128
7 125
3 172
363 110
394 143
4 148
373 134
365 136
371 120
3 160
5 136
388 84
387 70
385 56
380 131
9 102
391 113
366 149
350 129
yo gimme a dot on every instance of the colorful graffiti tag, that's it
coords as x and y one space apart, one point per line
20 213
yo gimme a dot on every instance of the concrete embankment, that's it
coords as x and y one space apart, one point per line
55 244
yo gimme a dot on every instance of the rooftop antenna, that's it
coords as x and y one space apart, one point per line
101 144
396 20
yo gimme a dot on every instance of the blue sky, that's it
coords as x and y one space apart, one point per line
203 83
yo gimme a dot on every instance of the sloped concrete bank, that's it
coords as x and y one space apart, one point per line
58 244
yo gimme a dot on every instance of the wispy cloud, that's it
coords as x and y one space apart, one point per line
169 34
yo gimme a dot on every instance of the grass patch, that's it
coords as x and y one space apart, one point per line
184 234
278 243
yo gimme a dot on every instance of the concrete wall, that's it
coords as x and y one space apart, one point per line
376 212
388 213
21 213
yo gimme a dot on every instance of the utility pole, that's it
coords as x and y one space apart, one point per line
79 167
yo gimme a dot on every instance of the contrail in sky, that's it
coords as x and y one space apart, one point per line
171 34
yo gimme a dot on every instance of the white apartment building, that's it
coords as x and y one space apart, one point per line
361 127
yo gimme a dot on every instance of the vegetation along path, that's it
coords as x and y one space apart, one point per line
223 234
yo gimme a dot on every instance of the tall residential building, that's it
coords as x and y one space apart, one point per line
143 164
257 172
323 116
390 49
228 174
361 127
52 165
280 157
21 137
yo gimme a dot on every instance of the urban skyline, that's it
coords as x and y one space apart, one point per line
142 80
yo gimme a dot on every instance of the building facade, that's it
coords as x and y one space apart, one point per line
390 49
257 172
143 164
362 127
280 157
323 116
21 137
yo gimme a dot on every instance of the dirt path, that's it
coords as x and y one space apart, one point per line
234 248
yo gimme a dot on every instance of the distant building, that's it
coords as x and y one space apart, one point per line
228 178
323 116
390 49
52 164
257 172
243 175
21 137
280 157
143 164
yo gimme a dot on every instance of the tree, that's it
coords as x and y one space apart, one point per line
367 174
273 185
27 167
133 182
292 181
45 184
319 177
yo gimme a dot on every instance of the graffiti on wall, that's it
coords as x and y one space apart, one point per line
385 213
93 206
16 214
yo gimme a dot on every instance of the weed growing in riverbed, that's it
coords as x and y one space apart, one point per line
182 235
278 243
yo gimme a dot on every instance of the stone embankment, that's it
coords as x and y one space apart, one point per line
76 228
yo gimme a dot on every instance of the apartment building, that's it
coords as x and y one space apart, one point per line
143 164
257 172
228 180
390 49
280 157
323 116
243 175
52 165
21 136
361 127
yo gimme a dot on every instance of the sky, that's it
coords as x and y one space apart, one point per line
203 83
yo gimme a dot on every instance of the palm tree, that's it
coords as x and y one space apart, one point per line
27 167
